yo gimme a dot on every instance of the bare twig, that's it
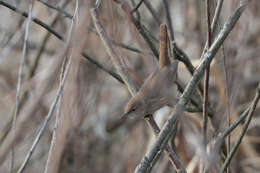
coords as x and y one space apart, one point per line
31 72
206 87
216 16
54 103
250 115
117 43
214 23
34 19
169 20
140 27
59 9
102 67
152 11
19 83
32 107
53 140
227 95
41 130
137 6
208 57
206 81
66 14
84 54
111 52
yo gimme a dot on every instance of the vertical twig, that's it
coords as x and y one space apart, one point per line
53 140
110 50
227 96
243 132
216 16
169 20
55 101
206 81
19 81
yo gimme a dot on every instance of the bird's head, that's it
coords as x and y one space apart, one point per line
135 107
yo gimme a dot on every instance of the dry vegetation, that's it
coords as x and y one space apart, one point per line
67 74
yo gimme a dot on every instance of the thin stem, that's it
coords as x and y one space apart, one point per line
169 20
57 8
137 6
19 83
216 15
53 140
111 52
243 132
206 81
53 105
152 11
34 19
102 67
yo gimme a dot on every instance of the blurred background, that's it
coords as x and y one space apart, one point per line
88 135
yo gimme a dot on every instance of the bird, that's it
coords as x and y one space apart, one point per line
158 90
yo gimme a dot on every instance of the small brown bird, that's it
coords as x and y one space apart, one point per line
157 91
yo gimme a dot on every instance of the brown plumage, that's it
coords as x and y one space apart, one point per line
156 92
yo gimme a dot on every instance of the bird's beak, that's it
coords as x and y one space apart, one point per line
125 115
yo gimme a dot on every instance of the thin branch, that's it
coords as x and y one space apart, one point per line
54 133
57 8
19 83
60 37
227 95
137 6
140 27
214 22
174 159
66 14
102 67
46 120
154 153
111 52
169 20
31 72
152 11
179 107
241 118
206 80
53 105
243 132
34 19
216 16
117 43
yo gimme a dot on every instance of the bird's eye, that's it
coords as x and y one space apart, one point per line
133 109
